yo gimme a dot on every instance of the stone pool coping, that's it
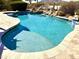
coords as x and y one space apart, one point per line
65 50
6 23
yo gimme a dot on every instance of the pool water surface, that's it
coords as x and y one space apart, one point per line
36 33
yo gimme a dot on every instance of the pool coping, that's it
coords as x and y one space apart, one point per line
47 53
4 29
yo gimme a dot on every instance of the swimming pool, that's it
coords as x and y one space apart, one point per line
36 32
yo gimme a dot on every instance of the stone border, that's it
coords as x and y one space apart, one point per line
42 54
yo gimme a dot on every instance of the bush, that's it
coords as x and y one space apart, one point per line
34 5
61 13
77 11
18 5
1 6
69 8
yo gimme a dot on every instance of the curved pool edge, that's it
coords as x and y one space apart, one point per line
43 54
6 23
9 22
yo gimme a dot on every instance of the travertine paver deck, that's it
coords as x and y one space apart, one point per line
67 49
6 23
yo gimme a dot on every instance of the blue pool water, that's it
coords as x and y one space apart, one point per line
36 33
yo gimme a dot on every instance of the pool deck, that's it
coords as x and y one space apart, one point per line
6 23
67 49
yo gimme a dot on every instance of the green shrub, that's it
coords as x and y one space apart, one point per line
0 1
1 5
18 5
